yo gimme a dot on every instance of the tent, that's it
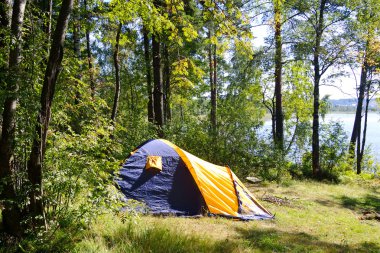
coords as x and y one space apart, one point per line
170 180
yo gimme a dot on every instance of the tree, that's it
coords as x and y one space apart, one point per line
116 61
11 214
37 153
279 117
158 87
148 75
319 42
167 88
366 25
213 84
88 50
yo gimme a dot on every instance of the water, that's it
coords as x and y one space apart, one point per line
373 128
347 122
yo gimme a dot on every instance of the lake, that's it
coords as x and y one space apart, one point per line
373 128
347 121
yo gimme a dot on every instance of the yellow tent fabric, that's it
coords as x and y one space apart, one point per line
221 189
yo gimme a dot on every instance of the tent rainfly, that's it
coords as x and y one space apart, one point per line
170 180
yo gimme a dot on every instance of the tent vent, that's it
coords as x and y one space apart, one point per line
154 162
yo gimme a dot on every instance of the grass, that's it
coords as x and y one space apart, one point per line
320 218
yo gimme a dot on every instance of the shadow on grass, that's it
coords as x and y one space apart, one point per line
368 202
270 240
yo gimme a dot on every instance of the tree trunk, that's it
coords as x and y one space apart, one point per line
361 153
148 76
50 16
273 119
11 214
89 54
47 94
213 91
214 95
157 79
117 75
5 6
317 79
167 108
45 7
43 10
279 131
359 107
77 53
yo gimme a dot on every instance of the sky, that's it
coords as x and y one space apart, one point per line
342 87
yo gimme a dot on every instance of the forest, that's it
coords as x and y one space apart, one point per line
84 82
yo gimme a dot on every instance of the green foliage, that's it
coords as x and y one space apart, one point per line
85 149
334 158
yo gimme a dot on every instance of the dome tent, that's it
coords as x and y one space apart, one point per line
170 180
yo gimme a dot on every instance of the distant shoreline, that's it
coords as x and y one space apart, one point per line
267 116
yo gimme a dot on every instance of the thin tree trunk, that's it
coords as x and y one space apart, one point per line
75 122
89 54
148 76
361 153
43 119
211 71
167 109
214 96
116 62
157 79
132 100
212 67
293 136
317 79
11 214
182 116
43 9
279 137
77 53
273 119
359 107
5 7
50 15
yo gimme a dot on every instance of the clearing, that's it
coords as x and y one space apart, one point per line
310 217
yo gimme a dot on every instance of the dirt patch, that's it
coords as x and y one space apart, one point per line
278 200
370 215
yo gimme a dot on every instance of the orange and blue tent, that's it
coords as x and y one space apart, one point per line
169 180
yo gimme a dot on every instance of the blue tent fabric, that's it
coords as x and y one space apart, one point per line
170 191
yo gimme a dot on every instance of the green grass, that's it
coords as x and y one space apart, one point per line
320 218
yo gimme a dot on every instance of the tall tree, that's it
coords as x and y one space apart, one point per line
213 85
279 117
147 59
317 36
5 7
158 87
167 88
116 62
319 25
77 51
43 119
88 50
11 214
366 30
356 135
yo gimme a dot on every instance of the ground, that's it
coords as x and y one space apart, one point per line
310 217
